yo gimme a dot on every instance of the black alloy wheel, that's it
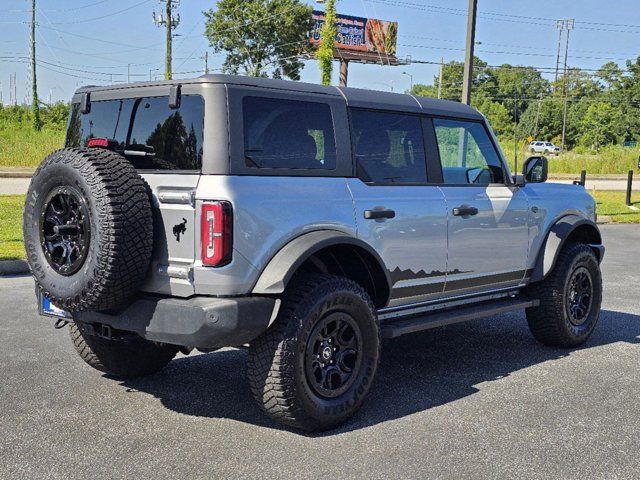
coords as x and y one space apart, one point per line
65 230
333 355
579 296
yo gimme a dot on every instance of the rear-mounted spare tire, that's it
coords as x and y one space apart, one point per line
88 229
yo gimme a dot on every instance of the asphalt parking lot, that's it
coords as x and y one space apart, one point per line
475 400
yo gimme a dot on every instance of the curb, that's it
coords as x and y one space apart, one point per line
17 172
13 267
594 176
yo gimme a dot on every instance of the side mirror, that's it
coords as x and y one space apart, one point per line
535 169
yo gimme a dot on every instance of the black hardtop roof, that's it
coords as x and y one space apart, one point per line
355 97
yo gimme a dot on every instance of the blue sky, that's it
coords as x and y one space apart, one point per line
93 41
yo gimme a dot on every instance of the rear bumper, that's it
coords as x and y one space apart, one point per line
203 322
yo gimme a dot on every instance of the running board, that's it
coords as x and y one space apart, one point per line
395 328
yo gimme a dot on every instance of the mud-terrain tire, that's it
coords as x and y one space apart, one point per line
570 299
99 201
128 358
286 363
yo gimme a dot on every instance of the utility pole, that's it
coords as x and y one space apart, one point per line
535 131
37 123
170 22
440 77
206 63
515 130
128 73
468 58
560 27
569 26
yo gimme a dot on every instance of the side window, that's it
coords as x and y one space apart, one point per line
149 133
288 134
388 147
467 153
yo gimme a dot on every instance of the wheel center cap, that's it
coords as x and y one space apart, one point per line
326 353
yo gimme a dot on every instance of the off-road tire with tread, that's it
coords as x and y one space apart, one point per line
276 359
121 228
129 358
549 322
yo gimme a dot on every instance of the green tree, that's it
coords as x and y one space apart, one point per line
452 74
422 90
327 39
600 125
498 117
260 37
549 119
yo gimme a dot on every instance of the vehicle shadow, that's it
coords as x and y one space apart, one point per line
417 372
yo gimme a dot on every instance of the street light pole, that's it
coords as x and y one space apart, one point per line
410 80
468 59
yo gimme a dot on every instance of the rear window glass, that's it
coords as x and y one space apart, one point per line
145 130
288 134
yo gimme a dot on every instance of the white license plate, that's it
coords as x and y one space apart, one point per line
49 309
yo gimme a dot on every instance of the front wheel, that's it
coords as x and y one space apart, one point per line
314 366
570 299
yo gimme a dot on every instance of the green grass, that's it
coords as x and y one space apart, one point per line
612 204
20 146
11 247
613 159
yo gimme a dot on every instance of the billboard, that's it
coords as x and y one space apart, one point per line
359 34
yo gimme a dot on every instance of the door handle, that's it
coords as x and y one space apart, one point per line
378 213
464 211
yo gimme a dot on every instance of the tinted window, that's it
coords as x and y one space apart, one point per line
467 154
388 147
288 134
149 133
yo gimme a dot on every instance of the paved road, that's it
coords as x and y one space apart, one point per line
13 186
605 184
479 400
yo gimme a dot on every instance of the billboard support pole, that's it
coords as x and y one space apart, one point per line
344 72
468 58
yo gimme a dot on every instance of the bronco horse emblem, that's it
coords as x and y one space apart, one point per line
180 228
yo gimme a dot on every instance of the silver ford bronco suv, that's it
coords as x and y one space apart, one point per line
305 221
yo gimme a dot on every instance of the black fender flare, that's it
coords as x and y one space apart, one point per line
288 259
556 238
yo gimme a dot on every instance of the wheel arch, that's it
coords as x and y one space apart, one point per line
327 251
572 228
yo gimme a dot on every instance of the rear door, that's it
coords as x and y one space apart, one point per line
165 146
487 216
397 210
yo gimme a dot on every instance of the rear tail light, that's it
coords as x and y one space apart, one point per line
216 233
98 142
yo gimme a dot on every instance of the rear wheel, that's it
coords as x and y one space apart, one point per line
128 357
314 366
570 299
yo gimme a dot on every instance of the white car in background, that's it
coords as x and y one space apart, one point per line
543 147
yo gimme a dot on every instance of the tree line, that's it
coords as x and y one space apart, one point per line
602 107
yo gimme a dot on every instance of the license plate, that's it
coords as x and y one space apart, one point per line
49 309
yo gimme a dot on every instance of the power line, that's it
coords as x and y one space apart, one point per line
104 16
